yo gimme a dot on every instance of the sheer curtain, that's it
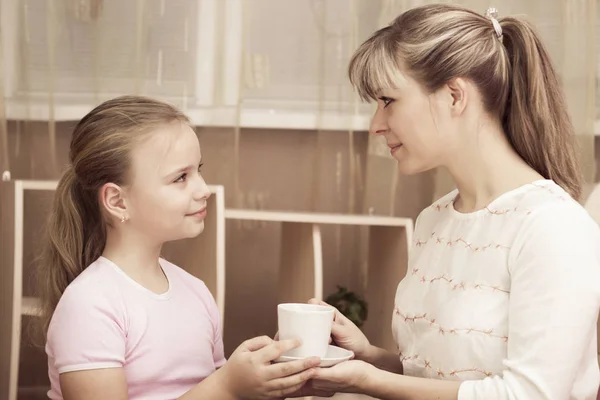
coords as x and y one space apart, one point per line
323 35
253 63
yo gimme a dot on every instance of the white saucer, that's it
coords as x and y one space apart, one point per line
335 355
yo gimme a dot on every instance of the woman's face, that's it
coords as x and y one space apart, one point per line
416 125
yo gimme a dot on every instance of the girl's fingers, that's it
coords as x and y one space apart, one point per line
285 369
276 350
256 343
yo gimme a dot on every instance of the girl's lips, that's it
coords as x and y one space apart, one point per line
199 214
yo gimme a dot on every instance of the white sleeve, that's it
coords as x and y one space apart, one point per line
553 309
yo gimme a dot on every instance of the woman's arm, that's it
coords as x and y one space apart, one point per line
383 359
553 308
388 386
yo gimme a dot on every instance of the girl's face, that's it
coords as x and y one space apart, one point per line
167 197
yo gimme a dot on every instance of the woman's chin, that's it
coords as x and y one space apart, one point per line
407 169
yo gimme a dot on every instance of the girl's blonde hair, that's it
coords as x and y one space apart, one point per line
513 72
100 150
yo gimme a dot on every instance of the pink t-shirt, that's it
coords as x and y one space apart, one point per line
167 343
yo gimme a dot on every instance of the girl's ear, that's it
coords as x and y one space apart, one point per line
112 200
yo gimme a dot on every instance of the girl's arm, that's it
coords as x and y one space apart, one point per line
110 383
95 384
248 374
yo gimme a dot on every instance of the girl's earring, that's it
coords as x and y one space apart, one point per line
123 218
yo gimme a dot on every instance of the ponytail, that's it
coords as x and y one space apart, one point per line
99 153
536 119
74 238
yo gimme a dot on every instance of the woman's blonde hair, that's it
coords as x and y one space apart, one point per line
100 149
513 72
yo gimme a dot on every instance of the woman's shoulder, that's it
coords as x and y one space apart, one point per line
546 203
558 218
441 204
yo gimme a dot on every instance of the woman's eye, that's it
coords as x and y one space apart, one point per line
386 101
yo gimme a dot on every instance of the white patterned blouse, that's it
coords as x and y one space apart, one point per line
505 299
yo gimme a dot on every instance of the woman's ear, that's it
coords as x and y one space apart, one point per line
458 91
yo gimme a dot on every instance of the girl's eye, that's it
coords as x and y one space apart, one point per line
181 178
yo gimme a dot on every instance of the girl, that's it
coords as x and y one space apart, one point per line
503 288
121 322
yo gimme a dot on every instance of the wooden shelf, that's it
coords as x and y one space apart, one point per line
301 265
317 218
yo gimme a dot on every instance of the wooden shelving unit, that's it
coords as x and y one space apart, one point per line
301 268
300 275
207 262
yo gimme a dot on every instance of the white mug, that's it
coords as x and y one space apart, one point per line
309 323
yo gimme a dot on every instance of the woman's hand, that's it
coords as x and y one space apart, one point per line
346 377
250 374
345 334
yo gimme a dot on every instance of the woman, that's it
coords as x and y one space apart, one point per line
503 288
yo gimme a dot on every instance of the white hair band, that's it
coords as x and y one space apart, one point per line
492 14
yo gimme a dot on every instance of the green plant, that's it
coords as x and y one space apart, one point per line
350 304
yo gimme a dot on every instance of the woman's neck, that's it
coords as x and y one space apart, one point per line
488 168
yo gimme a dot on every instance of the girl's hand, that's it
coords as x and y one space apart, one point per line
345 334
250 374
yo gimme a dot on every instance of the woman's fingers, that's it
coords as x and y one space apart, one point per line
318 302
337 316
294 375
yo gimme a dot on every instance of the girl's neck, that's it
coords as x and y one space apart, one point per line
133 254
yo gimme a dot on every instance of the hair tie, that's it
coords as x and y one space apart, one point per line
492 14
